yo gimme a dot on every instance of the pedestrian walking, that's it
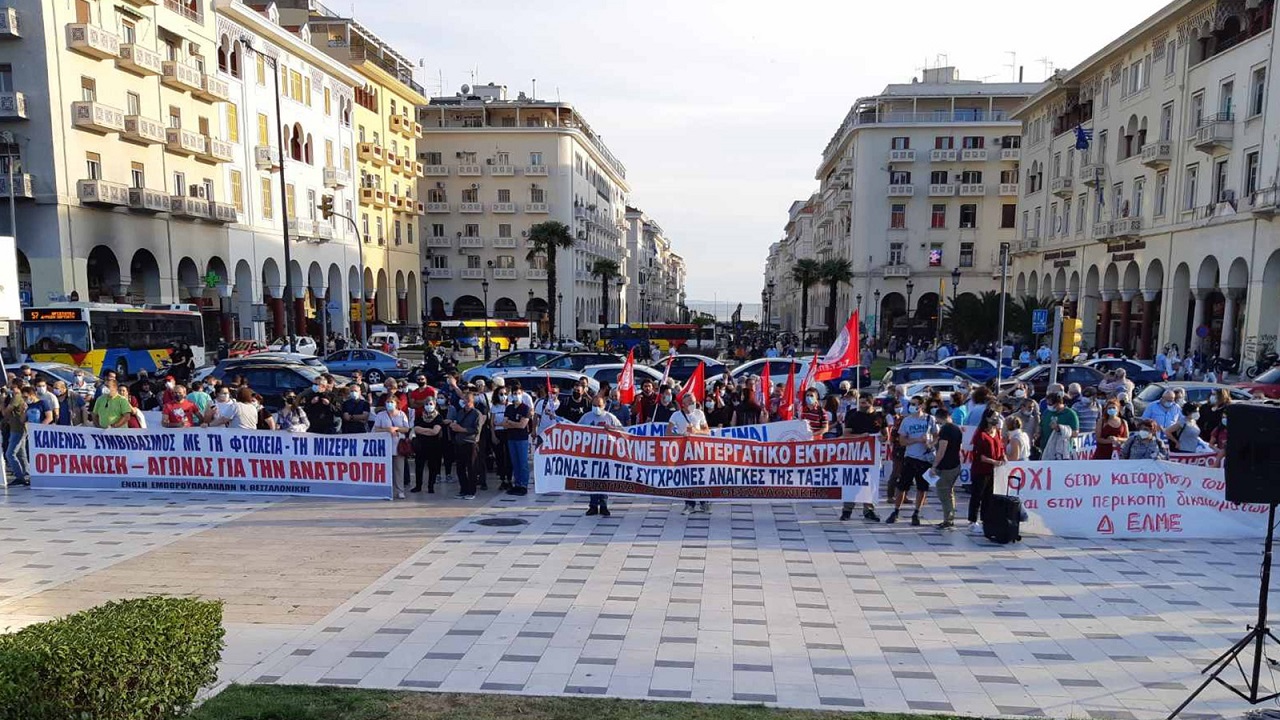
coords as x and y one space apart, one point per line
916 433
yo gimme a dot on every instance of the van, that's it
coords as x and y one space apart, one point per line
385 340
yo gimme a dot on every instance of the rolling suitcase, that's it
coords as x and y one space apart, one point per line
1002 518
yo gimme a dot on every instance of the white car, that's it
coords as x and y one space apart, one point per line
924 387
609 372
305 344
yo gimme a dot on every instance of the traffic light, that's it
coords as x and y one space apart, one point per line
1072 338
326 206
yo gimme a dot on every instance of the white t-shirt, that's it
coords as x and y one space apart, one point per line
384 420
604 419
682 422
1018 445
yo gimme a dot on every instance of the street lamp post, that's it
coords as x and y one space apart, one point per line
284 199
858 297
910 289
875 330
484 287
560 319
955 293
528 316
1004 276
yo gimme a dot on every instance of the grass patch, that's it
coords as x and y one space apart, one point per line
879 367
299 702
468 364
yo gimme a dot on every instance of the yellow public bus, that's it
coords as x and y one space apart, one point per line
503 334
105 336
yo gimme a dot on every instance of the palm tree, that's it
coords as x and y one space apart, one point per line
834 272
545 240
805 273
606 270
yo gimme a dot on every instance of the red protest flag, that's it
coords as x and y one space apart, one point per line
845 352
666 374
787 404
766 388
627 379
696 385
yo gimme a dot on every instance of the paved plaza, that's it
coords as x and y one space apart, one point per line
755 603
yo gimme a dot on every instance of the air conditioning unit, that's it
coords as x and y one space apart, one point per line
197 191
457 155
440 185
533 185
488 161
475 186
1227 196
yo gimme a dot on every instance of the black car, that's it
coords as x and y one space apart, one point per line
579 360
682 366
273 382
902 374
1038 377
1139 373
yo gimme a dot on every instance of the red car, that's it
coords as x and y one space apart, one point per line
241 348
1267 384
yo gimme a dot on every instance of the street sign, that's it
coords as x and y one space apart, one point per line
1039 322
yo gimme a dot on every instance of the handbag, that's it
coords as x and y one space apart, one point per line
404 448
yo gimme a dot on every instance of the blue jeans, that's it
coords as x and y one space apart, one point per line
518 450
13 458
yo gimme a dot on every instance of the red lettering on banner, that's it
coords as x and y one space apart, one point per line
1082 480
1105 526
1031 478
1155 523
1066 503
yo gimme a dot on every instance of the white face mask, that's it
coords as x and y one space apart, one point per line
597 409
391 406
429 408
1194 416
1143 434
711 404
315 388
1019 393
168 386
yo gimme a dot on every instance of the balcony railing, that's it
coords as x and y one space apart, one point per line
942 189
1010 154
140 60
504 207
942 155
973 189
471 273
13 106
1102 230
92 40
213 89
1126 227
535 274
438 242
535 170
470 170
96 117
504 273
1090 173
536 208
183 142
335 177
436 273
143 130
189 207
1263 201
224 212
217 151
973 154
370 153
438 207
183 8
9 27
22 186
1157 154
1215 132
1009 189
504 243
902 155
1061 186
181 76
470 241
102 193
266 157
902 190
470 207
436 170
502 170
148 201
901 270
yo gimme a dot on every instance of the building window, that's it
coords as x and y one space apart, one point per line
437 230
1081 203
973 142
261 63
969 216
432 158
137 175
395 232
1257 91
1227 99
328 153
898 216
470 195
1009 177
93 166
943 142
473 262
382 238
364 227
939 177
1008 216
290 204
504 195
1139 186
537 195
901 143
938 217
505 261
439 262
895 253
1170 57
264 137
237 190
1104 97
265 192
128 32
899 177
471 230
1053 219
408 232
295 85
88 89
535 158
1166 122
1251 173
1196 114
1220 180
133 103
1120 206
1066 217
504 230
306 91
1162 192
175 117
1189 182
971 177
1036 227
966 254
233 123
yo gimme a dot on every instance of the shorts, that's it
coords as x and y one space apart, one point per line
913 471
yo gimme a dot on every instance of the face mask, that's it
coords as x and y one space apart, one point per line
355 394
1112 412
429 407
224 398
391 406
1224 422
1194 416
1019 393
811 401
711 404
1166 403
1143 434
79 378
315 388
666 399
502 397
554 405
58 391
168 386
597 409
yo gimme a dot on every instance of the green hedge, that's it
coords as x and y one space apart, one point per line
142 659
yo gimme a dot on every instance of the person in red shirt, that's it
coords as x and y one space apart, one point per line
645 405
181 412
988 454
814 414
419 396
170 394
392 389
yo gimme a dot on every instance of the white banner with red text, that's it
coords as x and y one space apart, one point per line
574 458
1128 499
212 460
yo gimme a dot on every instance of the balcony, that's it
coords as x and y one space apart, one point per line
223 212
96 117
391 159
973 189
216 151
505 208
22 187
324 231
1262 202
906 156
470 241
942 189
410 168
397 123
535 274
9 27
185 9
438 207
1008 189
470 170
183 142
420 208
535 170
1157 155
504 243
435 170
995 265
897 271
902 190
181 76
1216 132
439 242
437 273
973 154
266 157
1061 186
414 131
336 177
92 40
942 155
139 60
1090 173
148 201
844 198
1102 230
143 130
471 273
379 201
1010 154
392 201
1025 247
367 195
188 207
470 207
302 228
504 273
370 153
536 208
102 193
143 3
502 170
13 106
213 89
1126 227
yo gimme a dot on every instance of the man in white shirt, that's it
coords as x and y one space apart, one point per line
597 416
690 421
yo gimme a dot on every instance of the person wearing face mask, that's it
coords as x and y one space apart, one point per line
946 465
863 420
355 411
291 418
48 403
988 454
466 423
180 412
1165 413
598 416
645 404
1212 412
1186 436
1112 432
167 395
428 445
321 406
618 408
916 433
70 405
1017 444
516 420
244 412
719 413
1145 443
546 409
576 406
748 410
1087 409
221 410
813 414
1056 415
689 420
498 437
666 406
1218 439
395 422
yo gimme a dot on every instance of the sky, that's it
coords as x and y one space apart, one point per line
720 109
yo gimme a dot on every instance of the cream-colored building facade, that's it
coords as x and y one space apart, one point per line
1161 230
496 166
655 273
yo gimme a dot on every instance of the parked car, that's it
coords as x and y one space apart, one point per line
1038 377
579 360
386 339
977 367
1142 374
375 364
610 372
515 360
564 380
303 344
240 348
682 366
1267 384
900 374
924 387
1197 392
778 367
51 372
261 358
273 381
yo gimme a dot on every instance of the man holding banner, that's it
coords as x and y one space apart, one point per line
690 421
599 417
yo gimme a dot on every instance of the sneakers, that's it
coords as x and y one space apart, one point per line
845 515
468 497
915 519
593 511
893 518
870 514
687 509
460 496
704 508
946 525
975 528
604 512
399 495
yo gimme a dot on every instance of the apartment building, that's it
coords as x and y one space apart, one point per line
655 273
1147 201
918 188
796 244
388 205
494 167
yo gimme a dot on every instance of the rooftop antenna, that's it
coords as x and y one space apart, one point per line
557 93
534 94
1048 66
1013 64
941 59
